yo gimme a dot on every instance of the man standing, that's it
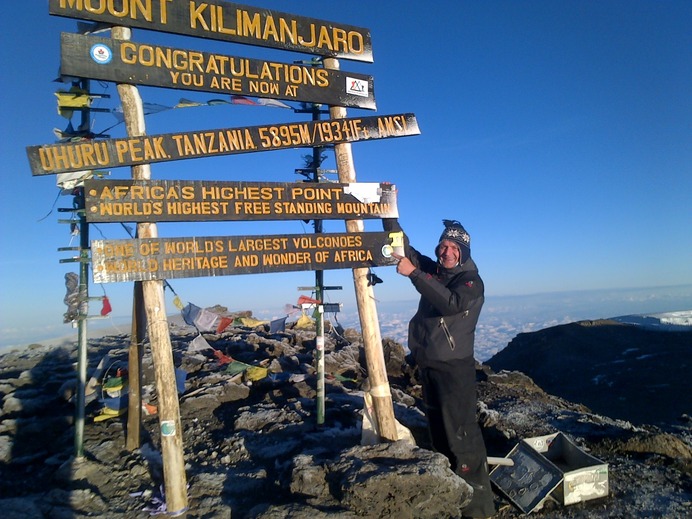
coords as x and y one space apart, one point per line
441 337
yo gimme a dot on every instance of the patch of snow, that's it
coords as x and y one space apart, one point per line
666 321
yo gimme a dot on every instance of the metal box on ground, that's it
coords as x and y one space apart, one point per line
552 467
529 482
585 477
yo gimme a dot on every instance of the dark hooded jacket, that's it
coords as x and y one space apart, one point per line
451 300
444 326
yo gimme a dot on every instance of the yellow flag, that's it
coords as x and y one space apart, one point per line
304 322
256 373
75 98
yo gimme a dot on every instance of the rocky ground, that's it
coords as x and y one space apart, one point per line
253 449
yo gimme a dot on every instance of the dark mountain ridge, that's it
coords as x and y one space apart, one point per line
624 371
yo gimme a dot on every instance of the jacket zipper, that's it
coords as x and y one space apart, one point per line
450 339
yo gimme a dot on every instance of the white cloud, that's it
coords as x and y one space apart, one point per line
502 318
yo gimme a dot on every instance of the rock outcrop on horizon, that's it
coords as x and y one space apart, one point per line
253 449
619 370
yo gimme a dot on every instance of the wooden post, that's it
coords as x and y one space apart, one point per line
175 482
365 297
135 354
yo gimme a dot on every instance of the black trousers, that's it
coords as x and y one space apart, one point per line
449 392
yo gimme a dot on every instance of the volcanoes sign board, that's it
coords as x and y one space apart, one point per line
168 258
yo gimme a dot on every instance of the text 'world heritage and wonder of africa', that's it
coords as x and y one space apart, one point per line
167 258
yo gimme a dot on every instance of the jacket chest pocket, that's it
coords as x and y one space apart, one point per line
445 329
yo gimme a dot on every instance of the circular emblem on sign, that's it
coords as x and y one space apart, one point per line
387 251
167 428
101 53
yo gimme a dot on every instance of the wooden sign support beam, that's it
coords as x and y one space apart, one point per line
134 361
365 298
175 482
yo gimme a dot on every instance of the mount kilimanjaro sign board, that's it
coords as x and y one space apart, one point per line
110 153
122 61
192 201
226 21
168 258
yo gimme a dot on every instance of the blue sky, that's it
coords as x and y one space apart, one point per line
558 133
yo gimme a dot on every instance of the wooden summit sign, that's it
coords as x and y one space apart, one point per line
167 258
226 21
191 201
124 61
130 151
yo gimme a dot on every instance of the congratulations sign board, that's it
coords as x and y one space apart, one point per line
191 201
109 153
153 65
220 20
168 258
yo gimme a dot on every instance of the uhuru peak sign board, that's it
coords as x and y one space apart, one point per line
167 258
109 153
226 21
153 65
189 201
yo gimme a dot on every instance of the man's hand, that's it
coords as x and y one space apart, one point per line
404 267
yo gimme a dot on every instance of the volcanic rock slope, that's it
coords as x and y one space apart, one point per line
620 370
253 448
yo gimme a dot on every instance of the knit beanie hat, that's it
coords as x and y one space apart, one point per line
456 233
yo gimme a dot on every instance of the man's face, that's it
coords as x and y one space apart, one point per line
448 254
